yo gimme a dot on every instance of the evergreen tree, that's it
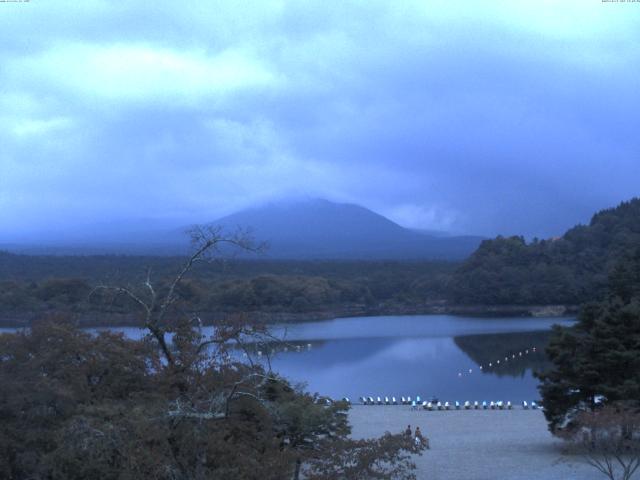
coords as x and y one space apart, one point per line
598 359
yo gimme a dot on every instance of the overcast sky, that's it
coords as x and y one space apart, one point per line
473 116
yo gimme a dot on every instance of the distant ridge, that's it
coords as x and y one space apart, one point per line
321 229
303 229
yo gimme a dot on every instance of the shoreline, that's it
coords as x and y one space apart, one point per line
98 319
477 444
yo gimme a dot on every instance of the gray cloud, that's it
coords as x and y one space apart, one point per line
508 117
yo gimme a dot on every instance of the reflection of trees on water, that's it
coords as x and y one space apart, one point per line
488 348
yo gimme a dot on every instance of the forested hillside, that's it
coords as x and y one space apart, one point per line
31 285
567 270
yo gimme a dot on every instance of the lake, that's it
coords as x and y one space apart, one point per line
426 355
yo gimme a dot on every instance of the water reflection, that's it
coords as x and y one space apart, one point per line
422 356
506 354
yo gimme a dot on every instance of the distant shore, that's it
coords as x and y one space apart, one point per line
477 444
97 319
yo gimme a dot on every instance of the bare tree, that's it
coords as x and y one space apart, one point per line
190 346
609 440
208 243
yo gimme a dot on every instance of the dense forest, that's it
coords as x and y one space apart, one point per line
571 269
31 285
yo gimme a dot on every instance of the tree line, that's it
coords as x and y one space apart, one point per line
233 286
571 269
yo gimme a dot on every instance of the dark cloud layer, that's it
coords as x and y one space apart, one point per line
478 117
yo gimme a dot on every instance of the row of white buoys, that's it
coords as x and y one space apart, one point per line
497 362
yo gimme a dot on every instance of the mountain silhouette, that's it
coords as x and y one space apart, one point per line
321 229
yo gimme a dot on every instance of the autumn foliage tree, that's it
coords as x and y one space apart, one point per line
177 404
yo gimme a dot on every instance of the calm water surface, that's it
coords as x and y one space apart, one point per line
426 355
